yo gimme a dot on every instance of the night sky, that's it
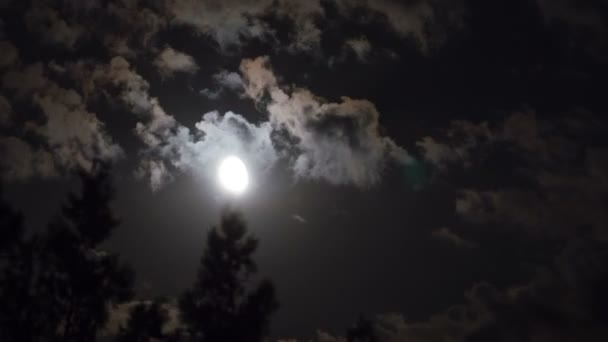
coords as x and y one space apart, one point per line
438 166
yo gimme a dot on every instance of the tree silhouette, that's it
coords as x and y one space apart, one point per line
16 268
84 278
362 331
11 227
145 322
219 308
58 285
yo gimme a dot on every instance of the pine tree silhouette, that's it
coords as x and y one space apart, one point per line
84 278
219 308
362 331
11 227
58 285
145 323
16 268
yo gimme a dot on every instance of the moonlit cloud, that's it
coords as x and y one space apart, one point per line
225 80
335 142
361 47
69 137
170 61
216 136
75 136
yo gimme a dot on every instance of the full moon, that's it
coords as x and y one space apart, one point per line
233 175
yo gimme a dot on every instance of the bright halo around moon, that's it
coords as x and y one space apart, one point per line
233 175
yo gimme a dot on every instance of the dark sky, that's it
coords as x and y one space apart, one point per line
441 166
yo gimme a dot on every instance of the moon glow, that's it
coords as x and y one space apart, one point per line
233 175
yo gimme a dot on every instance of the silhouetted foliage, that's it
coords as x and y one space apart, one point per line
362 331
58 285
11 227
145 322
16 268
219 307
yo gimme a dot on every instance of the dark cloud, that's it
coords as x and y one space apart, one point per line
447 235
5 111
564 302
233 23
426 22
51 27
22 162
460 139
25 81
585 21
10 55
557 158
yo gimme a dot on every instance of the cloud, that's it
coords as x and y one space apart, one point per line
461 138
216 136
258 76
232 23
156 124
170 61
299 218
68 136
118 73
170 146
229 80
9 56
306 35
407 19
227 22
48 23
419 20
555 184
27 80
361 47
75 136
135 21
225 80
155 172
211 94
447 235
21 161
583 19
565 302
336 142
5 111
